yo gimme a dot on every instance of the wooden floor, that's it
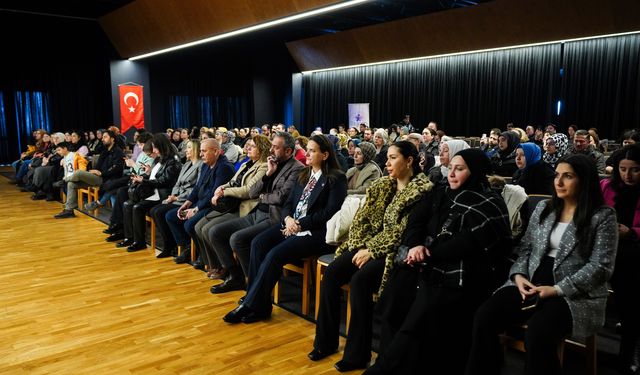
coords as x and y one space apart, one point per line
71 303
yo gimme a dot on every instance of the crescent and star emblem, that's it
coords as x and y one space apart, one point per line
131 95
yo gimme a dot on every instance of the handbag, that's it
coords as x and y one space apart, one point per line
140 191
227 204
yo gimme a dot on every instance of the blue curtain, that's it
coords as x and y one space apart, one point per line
32 113
179 112
4 136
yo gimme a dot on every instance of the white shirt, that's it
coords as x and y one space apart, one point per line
68 164
156 194
303 211
554 239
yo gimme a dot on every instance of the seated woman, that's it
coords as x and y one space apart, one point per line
160 181
558 285
503 162
555 147
186 181
448 149
622 192
456 239
534 175
366 258
318 195
218 260
365 170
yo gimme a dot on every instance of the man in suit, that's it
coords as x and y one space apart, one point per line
272 191
216 170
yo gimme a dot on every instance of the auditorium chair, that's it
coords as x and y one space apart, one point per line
152 234
304 268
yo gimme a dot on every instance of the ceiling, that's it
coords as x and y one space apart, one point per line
370 13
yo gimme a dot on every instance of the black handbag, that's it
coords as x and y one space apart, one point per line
140 191
227 204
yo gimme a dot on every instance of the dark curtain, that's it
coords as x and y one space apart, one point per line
4 134
31 114
601 84
465 94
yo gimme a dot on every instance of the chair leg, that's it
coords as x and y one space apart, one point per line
193 251
306 275
319 269
348 313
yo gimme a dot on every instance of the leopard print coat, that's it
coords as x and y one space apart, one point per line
380 223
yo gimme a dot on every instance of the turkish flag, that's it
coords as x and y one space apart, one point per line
131 107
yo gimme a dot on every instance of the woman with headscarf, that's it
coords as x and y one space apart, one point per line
503 162
365 169
555 147
534 175
448 150
455 238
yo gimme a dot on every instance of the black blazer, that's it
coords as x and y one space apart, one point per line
325 200
166 177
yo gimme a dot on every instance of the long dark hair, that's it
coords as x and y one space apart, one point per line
330 167
631 152
590 197
162 143
408 149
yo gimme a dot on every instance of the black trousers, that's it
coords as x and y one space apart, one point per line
547 324
135 225
624 282
271 250
158 213
117 214
363 282
434 336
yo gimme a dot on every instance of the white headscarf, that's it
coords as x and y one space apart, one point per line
455 146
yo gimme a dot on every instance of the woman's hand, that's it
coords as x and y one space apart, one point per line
291 227
623 230
171 199
417 254
545 291
219 193
361 257
137 179
130 162
525 286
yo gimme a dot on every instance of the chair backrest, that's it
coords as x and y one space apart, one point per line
534 199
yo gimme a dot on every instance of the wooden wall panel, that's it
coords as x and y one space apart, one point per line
494 24
148 25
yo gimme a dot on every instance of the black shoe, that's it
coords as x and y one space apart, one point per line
28 189
125 243
64 214
117 236
343 366
198 264
50 198
317 355
241 300
184 257
236 315
164 254
58 184
135 246
113 228
233 281
255 317
39 196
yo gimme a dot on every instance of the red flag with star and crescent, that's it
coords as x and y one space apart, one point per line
131 107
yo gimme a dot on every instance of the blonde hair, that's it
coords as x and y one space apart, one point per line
263 144
195 149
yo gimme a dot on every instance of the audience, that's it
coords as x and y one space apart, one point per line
503 162
555 147
365 170
534 175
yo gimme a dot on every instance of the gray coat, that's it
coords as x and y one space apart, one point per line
367 175
186 180
581 272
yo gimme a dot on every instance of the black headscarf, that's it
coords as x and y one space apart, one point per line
512 143
479 166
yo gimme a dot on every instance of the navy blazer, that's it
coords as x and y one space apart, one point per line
324 201
208 182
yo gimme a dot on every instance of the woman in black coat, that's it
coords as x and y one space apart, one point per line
503 162
318 194
158 183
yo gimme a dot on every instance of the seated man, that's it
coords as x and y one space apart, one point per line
272 191
216 170
110 165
